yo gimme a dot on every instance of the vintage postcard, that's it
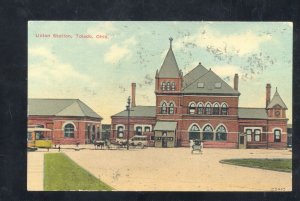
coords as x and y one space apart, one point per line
159 106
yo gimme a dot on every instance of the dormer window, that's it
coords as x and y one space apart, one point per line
218 85
200 85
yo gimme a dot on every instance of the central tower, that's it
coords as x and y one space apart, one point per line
168 85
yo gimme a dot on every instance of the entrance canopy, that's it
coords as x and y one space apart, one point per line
165 126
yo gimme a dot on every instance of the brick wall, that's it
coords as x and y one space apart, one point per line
57 123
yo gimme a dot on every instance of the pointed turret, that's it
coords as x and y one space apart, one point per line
276 100
169 68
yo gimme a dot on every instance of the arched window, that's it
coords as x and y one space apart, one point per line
168 86
224 109
200 108
277 135
194 132
221 134
69 130
164 108
192 108
120 131
163 86
171 108
208 109
216 109
138 130
147 129
173 86
208 133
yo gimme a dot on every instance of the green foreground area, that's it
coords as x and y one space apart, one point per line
282 165
61 174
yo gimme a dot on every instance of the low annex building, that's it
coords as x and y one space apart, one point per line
70 120
200 105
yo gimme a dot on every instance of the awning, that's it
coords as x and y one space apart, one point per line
38 129
165 126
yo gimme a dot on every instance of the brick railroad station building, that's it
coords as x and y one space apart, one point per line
200 105
70 120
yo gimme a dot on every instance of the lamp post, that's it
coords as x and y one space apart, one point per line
128 130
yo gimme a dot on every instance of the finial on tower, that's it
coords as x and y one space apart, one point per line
171 39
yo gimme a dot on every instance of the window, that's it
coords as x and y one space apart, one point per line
257 135
173 86
163 86
200 85
192 108
249 135
208 133
138 130
216 109
194 132
164 108
208 109
69 130
218 85
224 109
171 108
120 132
221 134
39 134
168 86
147 129
200 108
152 137
277 135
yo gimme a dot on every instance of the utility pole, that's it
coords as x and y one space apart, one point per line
128 125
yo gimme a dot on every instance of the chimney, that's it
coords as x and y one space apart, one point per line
133 86
236 82
268 94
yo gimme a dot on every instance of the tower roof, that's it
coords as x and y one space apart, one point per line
276 100
169 68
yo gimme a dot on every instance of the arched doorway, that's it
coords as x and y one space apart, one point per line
194 132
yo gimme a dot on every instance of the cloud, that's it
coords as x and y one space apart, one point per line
115 53
50 66
236 43
119 51
102 27
48 76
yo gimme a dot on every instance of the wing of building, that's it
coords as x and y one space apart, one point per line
201 105
71 121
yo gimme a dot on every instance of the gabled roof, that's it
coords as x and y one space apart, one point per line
138 111
169 68
165 126
252 113
191 76
276 100
60 107
211 83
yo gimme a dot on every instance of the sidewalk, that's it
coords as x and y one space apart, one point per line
35 171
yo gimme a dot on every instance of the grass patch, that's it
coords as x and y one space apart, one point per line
62 174
282 165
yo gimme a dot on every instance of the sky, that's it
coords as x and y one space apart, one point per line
96 61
